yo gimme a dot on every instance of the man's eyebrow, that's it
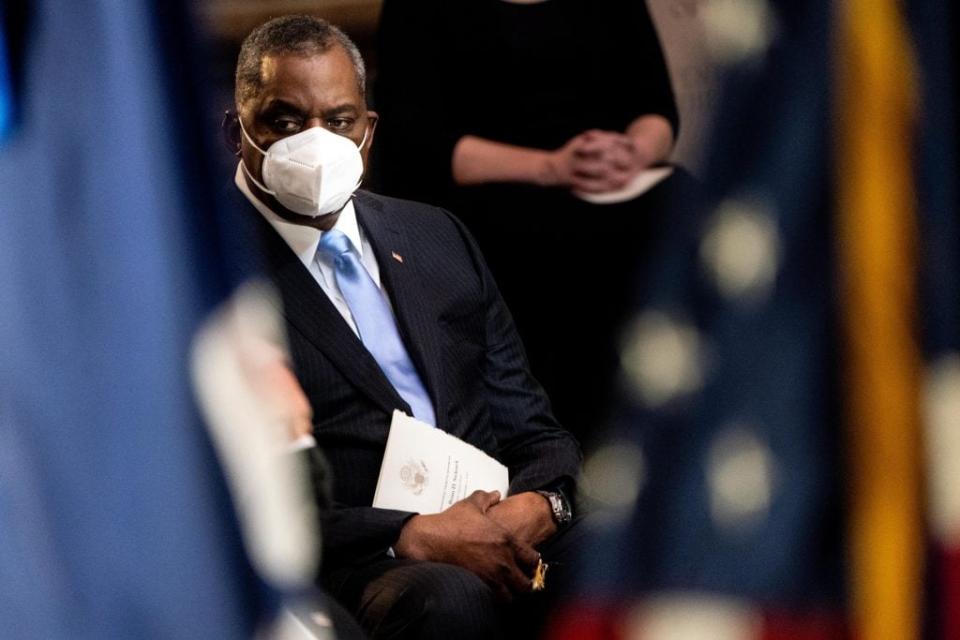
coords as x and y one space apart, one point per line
343 109
279 105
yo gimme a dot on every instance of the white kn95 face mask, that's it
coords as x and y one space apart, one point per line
313 173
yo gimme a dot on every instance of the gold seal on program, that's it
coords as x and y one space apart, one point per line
415 476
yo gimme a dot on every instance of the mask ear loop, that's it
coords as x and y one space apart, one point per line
243 164
366 132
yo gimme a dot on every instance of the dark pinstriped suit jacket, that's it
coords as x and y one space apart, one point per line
461 337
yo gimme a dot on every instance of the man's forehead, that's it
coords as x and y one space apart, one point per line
309 81
331 68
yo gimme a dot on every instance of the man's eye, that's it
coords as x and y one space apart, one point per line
286 125
339 124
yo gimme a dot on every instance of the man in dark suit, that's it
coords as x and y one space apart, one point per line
389 305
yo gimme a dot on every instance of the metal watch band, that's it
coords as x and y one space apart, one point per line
558 506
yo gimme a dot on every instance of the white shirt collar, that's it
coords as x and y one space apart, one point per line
303 240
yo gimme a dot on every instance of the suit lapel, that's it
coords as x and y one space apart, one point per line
309 309
403 281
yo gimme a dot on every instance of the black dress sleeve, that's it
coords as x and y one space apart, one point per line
635 62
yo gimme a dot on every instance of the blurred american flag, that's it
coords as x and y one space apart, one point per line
785 461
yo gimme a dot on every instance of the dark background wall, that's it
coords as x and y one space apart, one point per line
679 23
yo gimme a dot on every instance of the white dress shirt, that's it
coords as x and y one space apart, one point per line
304 240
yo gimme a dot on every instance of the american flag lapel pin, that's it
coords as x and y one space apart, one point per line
397 256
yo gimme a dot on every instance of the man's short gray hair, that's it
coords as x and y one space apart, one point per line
304 35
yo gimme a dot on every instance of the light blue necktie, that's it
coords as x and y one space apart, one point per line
375 323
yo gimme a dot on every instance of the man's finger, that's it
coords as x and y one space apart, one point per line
526 557
483 500
502 591
518 581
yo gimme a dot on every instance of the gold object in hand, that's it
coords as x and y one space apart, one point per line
540 575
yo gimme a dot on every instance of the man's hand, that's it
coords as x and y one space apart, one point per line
463 535
526 515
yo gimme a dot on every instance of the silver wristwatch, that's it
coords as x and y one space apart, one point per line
559 507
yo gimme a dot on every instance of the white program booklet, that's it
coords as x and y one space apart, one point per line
426 469
643 182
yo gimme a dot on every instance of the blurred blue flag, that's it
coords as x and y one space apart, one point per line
935 38
114 518
6 90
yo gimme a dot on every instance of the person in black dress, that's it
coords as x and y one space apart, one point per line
507 112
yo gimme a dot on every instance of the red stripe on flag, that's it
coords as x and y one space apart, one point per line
586 621
810 626
950 590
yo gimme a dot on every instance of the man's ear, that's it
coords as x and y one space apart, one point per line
372 118
230 128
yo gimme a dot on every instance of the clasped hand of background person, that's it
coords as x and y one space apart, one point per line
492 538
597 161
